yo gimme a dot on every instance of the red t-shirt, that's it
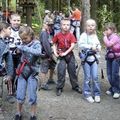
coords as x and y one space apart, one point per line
64 41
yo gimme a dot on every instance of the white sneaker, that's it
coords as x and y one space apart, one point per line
108 92
90 99
97 99
116 95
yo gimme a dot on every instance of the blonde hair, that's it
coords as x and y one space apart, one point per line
14 14
91 21
26 31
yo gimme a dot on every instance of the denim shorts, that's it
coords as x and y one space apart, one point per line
29 86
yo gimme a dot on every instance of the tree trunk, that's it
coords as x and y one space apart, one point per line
85 12
29 16
93 8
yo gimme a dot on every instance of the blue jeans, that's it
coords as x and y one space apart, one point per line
91 84
113 75
31 85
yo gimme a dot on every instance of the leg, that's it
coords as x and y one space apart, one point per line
43 73
72 74
96 83
115 79
52 65
87 80
109 74
78 33
21 91
32 95
61 74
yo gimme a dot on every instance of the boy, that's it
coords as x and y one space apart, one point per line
14 39
64 43
6 62
47 59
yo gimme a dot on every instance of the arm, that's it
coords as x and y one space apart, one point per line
55 50
82 43
9 64
46 44
35 50
110 43
68 51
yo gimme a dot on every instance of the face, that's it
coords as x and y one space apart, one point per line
15 21
65 25
26 39
108 32
90 27
7 31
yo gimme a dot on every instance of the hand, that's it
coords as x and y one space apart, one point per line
8 79
111 55
104 33
94 48
62 54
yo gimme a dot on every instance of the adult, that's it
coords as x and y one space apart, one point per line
75 22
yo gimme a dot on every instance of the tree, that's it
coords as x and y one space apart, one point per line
85 12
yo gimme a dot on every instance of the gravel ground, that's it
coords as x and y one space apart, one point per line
70 105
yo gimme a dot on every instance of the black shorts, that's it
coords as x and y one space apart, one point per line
46 65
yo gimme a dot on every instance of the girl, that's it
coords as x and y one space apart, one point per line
90 46
5 31
112 41
27 71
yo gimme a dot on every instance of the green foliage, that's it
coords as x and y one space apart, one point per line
104 16
37 20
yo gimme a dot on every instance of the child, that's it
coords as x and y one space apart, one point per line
47 61
112 41
27 71
90 46
5 31
14 39
64 43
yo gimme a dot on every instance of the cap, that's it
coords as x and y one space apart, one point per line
47 11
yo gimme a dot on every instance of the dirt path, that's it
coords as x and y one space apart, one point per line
71 105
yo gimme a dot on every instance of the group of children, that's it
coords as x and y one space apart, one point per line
22 51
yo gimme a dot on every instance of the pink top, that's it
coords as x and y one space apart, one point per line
113 43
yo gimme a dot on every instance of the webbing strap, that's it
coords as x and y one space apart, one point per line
20 69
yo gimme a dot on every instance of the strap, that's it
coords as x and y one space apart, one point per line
21 67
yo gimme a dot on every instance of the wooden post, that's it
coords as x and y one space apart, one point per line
29 16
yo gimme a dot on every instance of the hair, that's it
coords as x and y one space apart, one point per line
110 26
65 19
26 31
4 25
91 21
14 14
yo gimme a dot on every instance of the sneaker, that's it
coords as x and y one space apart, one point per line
18 117
97 99
108 92
51 81
90 99
116 95
45 87
78 90
58 92
11 99
33 118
